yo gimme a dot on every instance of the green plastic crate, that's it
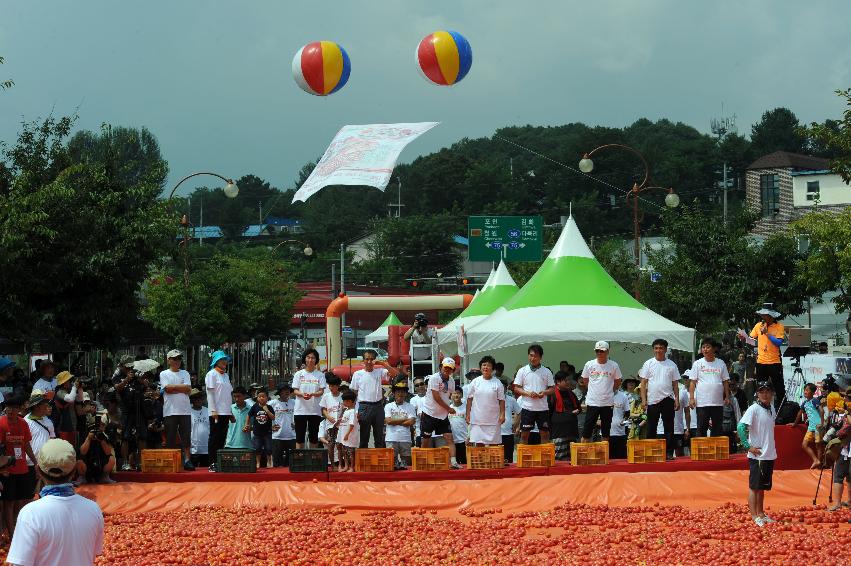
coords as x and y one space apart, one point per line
308 460
236 460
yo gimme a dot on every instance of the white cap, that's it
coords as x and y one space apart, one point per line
57 458
449 362
601 345
174 354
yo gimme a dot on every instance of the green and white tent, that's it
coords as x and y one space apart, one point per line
570 303
380 334
496 291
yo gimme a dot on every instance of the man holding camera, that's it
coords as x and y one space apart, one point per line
420 333
175 386
97 453
131 390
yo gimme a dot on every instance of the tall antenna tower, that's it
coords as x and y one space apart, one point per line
721 127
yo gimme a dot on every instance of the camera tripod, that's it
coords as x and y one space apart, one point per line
795 383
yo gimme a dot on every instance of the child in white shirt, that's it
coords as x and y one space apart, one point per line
350 433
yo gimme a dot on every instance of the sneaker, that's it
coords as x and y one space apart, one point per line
105 479
213 468
766 519
670 457
760 522
455 466
188 466
126 468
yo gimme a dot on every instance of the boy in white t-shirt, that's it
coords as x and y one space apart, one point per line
458 425
399 417
283 431
200 429
331 405
350 433
756 431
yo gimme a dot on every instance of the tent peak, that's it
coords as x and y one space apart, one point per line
570 242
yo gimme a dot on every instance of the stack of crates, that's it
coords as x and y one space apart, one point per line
163 461
374 460
236 461
589 453
430 459
645 451
536 455
485 457
309 460
710 448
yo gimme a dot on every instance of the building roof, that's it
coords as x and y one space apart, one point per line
783 159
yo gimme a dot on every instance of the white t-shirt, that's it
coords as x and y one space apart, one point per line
332 404
620 411
308 382
41 431
45 385
417 404
323 433
200 430
761 431
458 424
175 403
534 381
219 390
484 398
660 377
444 388
284 411
679 415
465 391
601 382
511 409
398 433
350 421
710 378
367 384
57 531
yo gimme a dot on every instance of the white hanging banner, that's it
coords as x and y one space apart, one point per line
361 155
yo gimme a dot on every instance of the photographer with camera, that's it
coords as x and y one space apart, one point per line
97 453
420 333
67 402
131 390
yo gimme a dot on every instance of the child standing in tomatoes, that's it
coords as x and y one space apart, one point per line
19 484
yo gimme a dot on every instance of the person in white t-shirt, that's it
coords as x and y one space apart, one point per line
200 436
417 404
459 427
621 404
465 389
332 412
283 429
367 384
436 408
60 527
660 393
512 422
308 388
399 417
219 402
709 390
485 406
534 383
348 435
175 387
756 432
602 377
41 429
682 421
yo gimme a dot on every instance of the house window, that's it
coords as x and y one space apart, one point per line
769 190
812 190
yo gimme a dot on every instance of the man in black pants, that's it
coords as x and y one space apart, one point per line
660 393
602 377
769 334
366 383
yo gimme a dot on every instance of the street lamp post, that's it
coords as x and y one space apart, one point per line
308 251
672 200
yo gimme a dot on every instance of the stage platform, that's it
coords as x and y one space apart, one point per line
737 462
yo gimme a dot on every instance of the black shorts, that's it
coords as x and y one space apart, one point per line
761 474
528 420
842 470
18 487
430 426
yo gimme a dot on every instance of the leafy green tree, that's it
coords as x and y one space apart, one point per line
77 234
827 266
228 299
713 277
777 130
835 137
8 83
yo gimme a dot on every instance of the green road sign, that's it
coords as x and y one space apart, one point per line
513 238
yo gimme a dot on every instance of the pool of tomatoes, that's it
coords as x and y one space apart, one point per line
569 533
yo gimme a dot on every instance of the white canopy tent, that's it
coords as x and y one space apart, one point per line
380 334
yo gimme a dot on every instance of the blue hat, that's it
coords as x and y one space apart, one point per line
5 363
218 355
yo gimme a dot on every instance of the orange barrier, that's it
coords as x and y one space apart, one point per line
689 489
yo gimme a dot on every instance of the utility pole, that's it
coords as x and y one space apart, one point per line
721 127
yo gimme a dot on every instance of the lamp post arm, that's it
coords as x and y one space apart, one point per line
630 149
186 178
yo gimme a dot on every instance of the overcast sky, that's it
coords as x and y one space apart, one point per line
212 79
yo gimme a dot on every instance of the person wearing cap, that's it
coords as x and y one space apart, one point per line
175 387
97 453
533 383
125 366
15 435
769 334
756 432
842 465
436 409
283 429
46 372
709 388
660 393
199 416
41 427
219 398
400 416
602 377
69 392
420 333
60 527
367 384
